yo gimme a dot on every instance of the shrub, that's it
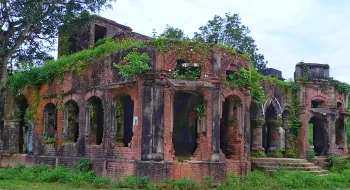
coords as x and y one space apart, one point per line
101 181
208 182
183 184
310 155
136 64
337 164
231 182
259 154
84 165
291 155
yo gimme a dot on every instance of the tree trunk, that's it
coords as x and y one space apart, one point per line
3 80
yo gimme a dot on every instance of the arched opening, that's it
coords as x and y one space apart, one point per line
123 120
340 132
188 109
319 133
230 125
270 138
50 121
21 106
71 118
188 70
339 106
95 116
318 104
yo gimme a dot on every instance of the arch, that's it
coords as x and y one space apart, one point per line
340 133
50 121
271 129
122 119
185 130
94 120
318 129
71 121
93 93
19 110
276 104
231 125
319 97
72 97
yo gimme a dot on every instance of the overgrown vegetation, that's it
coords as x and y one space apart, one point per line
136 64
255 180
78 62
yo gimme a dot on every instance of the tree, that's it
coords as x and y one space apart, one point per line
28 29
173 33
230 31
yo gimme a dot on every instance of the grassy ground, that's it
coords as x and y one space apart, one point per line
25 185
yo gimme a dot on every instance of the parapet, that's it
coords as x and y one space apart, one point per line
311 70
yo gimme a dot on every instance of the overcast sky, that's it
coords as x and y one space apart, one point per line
286 31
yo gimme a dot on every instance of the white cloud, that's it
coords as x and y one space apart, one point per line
286 31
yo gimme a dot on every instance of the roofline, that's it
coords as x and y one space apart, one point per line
112 22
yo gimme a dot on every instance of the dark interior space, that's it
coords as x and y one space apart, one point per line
50 120
185 124
100 32
124 120
20 111
270 115
73 121
96 118
320 139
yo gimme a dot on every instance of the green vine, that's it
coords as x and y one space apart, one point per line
200 109
306 68
188 73
78 62
30 114
296 123
342 87
136 64
119 111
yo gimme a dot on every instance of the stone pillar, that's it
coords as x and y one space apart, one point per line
256 127
330 134
13 126
275 137
288 136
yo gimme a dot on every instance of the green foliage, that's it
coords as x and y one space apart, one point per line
50 140
134 182
228 30
342 87
173 33
239 79
291 155
208 182
77 62
200 109
277 154
310 155
188 73
258 154
44 173
337 164
103 41
136 64
256 90
84 165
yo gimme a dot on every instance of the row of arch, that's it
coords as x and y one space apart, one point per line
122 111
273 132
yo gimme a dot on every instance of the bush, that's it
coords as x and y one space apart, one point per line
291 155
183 184
208 182
259 154
337 164
231 182
84 165
310 155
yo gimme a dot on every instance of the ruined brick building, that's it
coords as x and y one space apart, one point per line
147 125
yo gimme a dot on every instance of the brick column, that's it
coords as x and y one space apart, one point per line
168 124
256 126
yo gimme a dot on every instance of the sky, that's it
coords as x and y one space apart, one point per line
286 31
